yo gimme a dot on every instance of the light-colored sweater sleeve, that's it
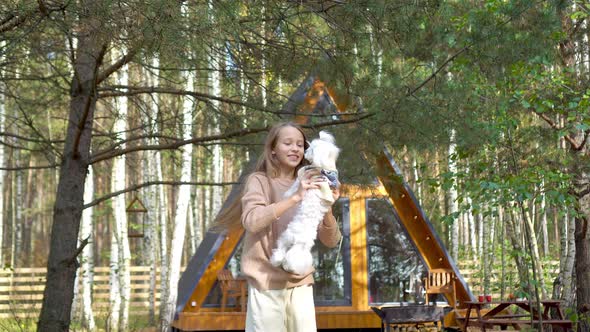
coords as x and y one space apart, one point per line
328 231
257 212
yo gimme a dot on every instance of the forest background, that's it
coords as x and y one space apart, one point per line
485 102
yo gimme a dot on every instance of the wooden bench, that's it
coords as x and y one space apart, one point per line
562 323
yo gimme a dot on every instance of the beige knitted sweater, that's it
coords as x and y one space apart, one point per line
263 229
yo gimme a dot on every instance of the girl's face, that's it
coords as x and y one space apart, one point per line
289 148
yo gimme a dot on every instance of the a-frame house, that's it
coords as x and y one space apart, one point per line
388 246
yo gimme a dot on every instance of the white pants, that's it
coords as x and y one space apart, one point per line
281 310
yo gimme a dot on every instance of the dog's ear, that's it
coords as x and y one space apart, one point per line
334 153
326 136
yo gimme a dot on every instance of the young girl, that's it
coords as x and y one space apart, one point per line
278 300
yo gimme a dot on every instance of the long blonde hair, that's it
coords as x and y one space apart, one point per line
230 215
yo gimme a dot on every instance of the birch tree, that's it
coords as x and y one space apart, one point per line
180 220
453 204
216 63
182 208
154 195
87 256
119 214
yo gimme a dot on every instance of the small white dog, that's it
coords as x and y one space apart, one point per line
293 250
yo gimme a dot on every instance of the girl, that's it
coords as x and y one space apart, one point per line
278 300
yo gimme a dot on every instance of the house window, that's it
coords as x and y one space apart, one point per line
332 275
395 267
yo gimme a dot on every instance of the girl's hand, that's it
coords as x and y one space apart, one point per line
306 183
336 193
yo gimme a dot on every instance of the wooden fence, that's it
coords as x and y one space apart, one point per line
472 272
21 290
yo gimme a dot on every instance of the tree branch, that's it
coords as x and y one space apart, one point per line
12 21
553 125
28 139
15 21
72 259
154 183
109 153
22 168
115 66
433 75
135 90
18 147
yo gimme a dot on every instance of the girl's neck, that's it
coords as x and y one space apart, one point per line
288 174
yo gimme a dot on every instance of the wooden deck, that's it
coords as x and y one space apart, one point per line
227 321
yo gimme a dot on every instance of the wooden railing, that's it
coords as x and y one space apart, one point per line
21 290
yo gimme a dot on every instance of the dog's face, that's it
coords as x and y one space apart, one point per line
322 152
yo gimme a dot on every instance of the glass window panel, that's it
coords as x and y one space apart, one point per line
332 274
395 267
214 297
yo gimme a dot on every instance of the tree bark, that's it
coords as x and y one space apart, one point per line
114 288
86 232
567 262
62 262
181 216
582 240
544 228
182 206
151 163
119 206
2 164
453 204
215 62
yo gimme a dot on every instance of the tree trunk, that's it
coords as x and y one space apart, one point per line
18 217
163 238
417 185
582 240
453 204
182 203
2 164
565 280
544 229
87 265
151 163
119 206
215 62
161 202
29 215
534 250
516 240
484 250
114 288
192 235
472 230
62 262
